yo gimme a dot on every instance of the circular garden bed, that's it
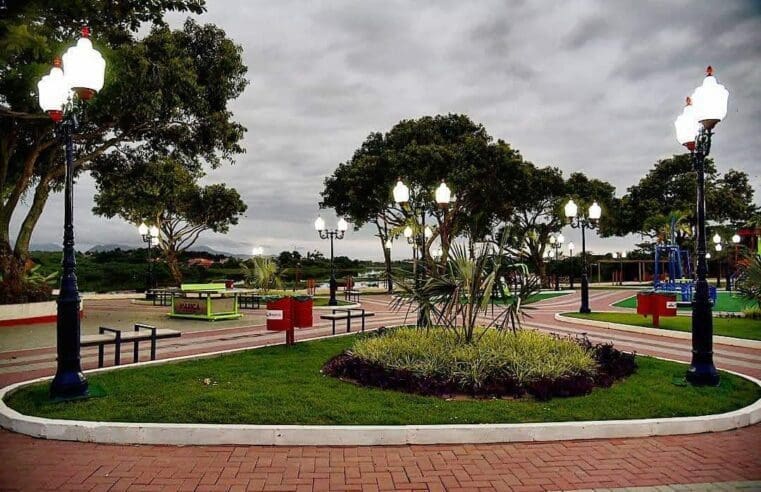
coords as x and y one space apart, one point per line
434 362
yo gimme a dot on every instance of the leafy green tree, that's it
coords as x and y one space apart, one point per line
422 152
670 186
164 94
163 192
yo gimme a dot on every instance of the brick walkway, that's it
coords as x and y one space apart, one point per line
720 460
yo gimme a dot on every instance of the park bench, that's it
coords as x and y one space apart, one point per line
348 314
111 336
250 301
162 297
351 295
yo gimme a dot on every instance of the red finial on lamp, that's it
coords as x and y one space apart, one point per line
57 62
85 32
709 71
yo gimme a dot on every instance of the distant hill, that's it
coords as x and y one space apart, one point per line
46 247
100 248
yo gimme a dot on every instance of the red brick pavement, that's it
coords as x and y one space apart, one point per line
32 464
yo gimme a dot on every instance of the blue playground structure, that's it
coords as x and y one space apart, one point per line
679 279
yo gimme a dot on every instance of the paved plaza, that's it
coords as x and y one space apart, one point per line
728 460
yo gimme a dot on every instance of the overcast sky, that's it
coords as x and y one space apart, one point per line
592 86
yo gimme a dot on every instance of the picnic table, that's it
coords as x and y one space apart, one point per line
210 302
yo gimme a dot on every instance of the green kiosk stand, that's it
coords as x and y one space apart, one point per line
210 302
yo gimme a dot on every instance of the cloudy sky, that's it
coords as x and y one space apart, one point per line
592 86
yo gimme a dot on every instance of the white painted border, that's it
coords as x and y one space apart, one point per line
354 435
685 335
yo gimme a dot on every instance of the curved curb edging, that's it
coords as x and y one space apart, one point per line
357 435
685 335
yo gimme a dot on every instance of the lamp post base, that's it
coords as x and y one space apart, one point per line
333 287
702 374
70 385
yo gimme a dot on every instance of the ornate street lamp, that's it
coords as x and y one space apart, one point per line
82 72
584 222
419 237
556 243
337 233
389 280
150 236
621 255
694 128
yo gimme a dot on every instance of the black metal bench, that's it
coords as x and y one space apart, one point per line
250 301
111 336
162 297
351 295
348 314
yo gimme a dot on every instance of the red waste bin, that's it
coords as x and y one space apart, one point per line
280 314
229 284
302 311
644 303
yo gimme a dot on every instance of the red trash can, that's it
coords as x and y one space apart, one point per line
280 314
302 311
644 303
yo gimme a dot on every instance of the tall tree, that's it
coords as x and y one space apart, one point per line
165 193
422 152
165 94
670 186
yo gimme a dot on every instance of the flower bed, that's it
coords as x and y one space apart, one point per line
498 364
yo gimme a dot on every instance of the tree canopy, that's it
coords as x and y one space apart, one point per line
164 95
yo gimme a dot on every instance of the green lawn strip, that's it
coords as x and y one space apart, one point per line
279 385
537 297
725 301
323 301
728 327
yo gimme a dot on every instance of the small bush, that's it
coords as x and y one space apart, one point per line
432 362
753 312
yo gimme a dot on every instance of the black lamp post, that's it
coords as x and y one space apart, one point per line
389 280
694 129
337 233
419 236
84 70
556 243
583 222
150 236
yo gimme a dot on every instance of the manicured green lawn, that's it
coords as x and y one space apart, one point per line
724 302
728 327
323 301
279 385
540 296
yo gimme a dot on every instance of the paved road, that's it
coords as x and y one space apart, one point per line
732 458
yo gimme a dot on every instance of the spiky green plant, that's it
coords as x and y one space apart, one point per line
262 273
749 280
458 296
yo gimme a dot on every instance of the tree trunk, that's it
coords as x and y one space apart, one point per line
174 266
24 237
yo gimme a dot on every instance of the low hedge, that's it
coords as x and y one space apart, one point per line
499 364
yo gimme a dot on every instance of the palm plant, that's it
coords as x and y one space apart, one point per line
749 280
458 295
263 274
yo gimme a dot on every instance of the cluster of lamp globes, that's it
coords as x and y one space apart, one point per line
81 70
705 107
150 234
342 226
717 242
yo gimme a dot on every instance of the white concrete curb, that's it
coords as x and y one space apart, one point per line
355 435
685 335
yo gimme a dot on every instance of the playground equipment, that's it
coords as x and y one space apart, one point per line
678 272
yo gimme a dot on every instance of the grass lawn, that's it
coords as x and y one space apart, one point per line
323 301
728 327
279 385
724 302
539 297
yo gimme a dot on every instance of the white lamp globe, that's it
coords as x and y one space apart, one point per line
342 224
736 239
571 209
718 247
84 67
571 247
53 91
710 101
623 254
154 231
687 126
443 194
716 238
561 238
142 229
595 211
319 224
708 255
408 232
401 193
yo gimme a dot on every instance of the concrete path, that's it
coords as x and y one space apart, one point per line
727 460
